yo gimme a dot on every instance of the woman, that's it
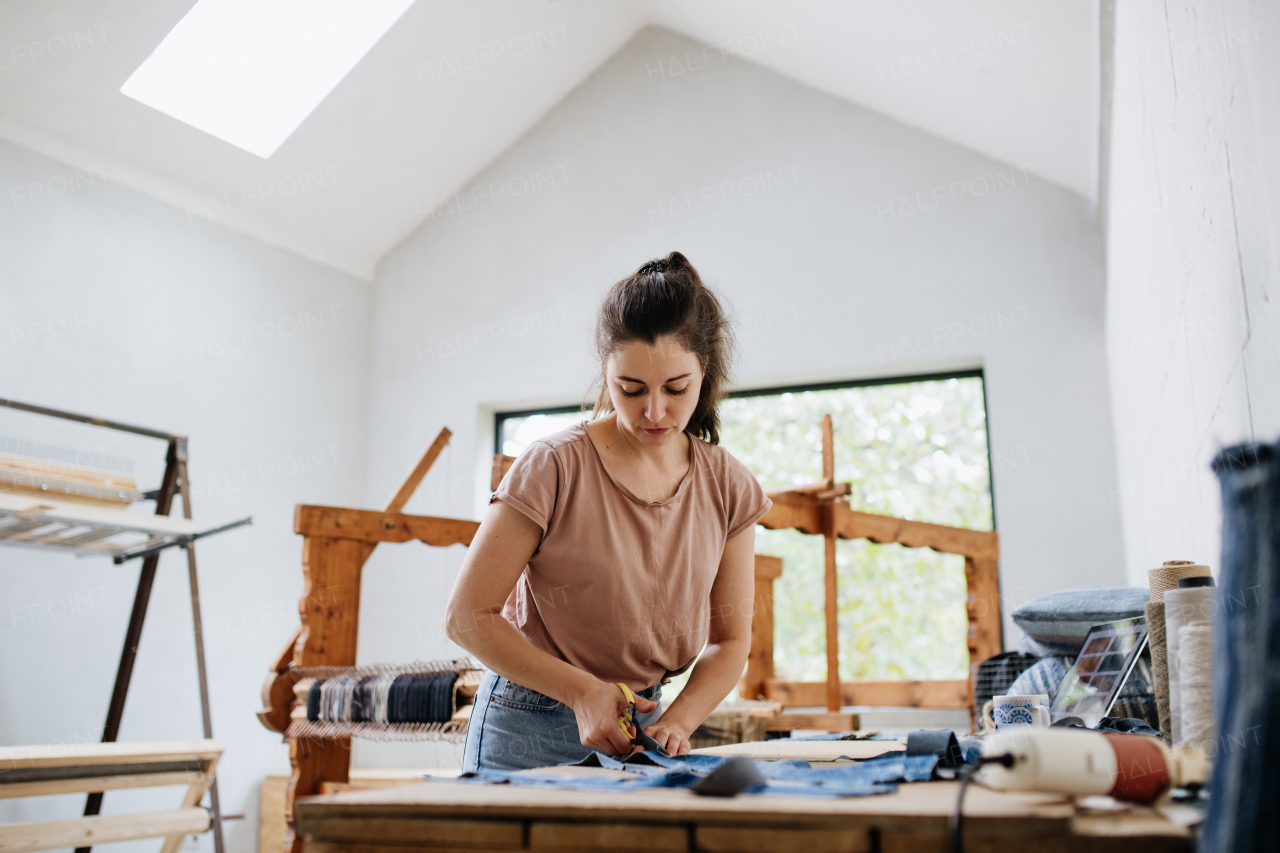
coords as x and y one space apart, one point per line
615 549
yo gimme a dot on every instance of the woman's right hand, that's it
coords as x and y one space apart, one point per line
598 710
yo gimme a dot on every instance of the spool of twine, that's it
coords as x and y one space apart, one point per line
1183 607
1196 696
1166 577
1159 662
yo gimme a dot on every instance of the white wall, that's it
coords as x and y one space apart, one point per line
115 305
862 253
1193 320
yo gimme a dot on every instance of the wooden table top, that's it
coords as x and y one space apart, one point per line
508 816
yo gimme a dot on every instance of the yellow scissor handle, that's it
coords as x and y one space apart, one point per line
631 700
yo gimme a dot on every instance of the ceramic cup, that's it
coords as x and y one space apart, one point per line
1029 710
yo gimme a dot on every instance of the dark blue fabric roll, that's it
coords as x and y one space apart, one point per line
313 700
1246 700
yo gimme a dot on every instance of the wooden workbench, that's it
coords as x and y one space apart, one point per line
441 817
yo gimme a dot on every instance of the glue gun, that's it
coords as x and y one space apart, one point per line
1129 767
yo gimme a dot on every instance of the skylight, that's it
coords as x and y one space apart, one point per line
249 71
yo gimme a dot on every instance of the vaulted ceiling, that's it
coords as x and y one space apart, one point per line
455 82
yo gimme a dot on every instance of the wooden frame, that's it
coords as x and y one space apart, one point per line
336 543
31 771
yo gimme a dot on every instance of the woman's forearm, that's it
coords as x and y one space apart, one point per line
497 644
714 675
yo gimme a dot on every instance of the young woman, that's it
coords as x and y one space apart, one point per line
618 549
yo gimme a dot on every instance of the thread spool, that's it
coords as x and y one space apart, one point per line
1196 694
1159 662
1192 603
1166 577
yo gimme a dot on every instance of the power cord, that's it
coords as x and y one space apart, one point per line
955 825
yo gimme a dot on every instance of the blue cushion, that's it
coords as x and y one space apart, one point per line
1061 620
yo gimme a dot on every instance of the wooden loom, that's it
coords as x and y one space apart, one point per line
336 543
75 509
820 509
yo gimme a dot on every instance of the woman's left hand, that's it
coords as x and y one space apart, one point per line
674 739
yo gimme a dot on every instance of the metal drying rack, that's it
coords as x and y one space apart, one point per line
42 522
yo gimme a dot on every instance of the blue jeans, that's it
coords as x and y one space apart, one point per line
1246 656
515 728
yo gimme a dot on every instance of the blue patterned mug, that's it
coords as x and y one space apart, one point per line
1029 710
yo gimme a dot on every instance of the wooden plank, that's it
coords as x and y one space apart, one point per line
271 823
828 453
485 834
49 511
195 793
901 694
831 604
91 831
829 722
410 484
766 840
982 605
92 784
501 465
365 525
558 835
885 529
89 754
768 568
760 655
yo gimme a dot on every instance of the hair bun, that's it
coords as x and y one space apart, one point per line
672 262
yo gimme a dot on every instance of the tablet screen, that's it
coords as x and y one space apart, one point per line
1091 685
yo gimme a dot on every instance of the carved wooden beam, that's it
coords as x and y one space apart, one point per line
884 529
793 509
367 525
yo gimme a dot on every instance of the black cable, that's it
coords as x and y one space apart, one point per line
955 824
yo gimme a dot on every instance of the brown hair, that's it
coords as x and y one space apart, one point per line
666 297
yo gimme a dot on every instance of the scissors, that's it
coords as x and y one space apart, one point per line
630 721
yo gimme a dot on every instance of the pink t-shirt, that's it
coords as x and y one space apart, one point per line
619 586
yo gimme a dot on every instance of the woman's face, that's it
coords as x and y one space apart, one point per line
654 389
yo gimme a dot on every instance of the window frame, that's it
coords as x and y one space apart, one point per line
500 418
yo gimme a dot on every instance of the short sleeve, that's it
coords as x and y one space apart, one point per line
532 484
747 501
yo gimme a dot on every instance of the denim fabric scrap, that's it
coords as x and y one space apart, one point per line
1246 655
878 775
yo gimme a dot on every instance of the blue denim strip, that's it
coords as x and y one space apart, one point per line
878 775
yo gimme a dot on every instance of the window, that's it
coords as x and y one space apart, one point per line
249 72
911 447
514 431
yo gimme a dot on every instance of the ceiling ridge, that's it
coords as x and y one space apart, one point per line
174 194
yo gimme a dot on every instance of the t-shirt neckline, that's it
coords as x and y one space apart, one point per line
684 483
